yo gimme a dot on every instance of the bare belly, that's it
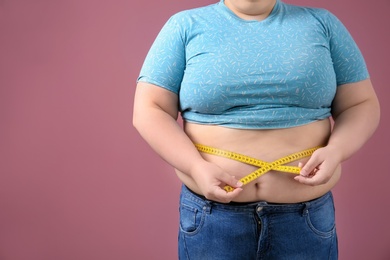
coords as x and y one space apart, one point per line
266 145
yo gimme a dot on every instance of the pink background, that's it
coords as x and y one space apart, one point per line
78 183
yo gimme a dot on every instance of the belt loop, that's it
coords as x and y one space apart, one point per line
207 207
305 210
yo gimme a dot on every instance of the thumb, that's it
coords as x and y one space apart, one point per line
232 181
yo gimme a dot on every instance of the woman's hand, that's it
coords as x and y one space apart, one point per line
211 179
320 168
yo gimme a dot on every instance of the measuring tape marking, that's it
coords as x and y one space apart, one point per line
264 166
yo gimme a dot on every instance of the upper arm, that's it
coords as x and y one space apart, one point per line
165 62
348 61
159 81
352 94
354 86
149 96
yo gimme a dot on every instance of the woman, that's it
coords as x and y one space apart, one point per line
257 78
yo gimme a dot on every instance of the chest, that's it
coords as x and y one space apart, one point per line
272 66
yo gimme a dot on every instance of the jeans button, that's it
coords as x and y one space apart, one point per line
259 209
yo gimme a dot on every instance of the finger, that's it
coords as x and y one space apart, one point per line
307 180
311 166
313 179
232 181
226 197
222 195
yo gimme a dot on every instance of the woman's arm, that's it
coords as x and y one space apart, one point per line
154 116
356 114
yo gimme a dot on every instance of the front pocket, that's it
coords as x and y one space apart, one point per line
321 220
191 218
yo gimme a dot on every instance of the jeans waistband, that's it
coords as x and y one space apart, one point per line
250 206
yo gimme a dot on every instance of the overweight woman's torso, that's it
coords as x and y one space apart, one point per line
266 145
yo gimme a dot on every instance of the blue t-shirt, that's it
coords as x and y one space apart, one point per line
277 73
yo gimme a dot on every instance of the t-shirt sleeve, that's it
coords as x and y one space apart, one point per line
164 64
348 61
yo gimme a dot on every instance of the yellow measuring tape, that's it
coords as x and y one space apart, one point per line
265 166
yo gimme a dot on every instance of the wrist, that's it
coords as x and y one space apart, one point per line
196 166
337 151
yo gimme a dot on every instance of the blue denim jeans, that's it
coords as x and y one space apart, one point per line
260 230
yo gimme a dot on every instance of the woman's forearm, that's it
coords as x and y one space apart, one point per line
354 126
356 112
167 139
154 117
356 115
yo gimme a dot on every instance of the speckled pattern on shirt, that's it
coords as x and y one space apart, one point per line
276 73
